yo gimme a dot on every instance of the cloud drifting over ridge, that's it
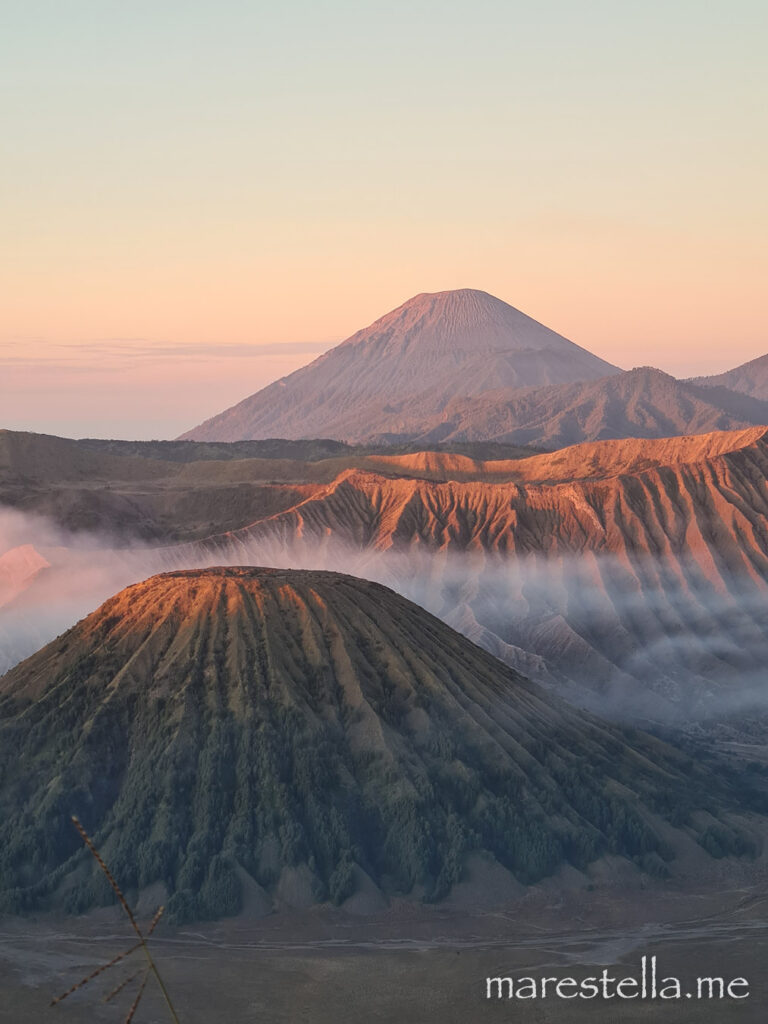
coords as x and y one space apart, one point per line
663 648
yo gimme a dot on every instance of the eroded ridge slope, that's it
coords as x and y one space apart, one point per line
636 564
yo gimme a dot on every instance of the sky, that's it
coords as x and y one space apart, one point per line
198 197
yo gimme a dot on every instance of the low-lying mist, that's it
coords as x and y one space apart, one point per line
632 639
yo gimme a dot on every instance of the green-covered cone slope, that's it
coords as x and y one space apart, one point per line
212 725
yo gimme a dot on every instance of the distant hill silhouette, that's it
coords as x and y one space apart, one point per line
748 379
643 402
465 367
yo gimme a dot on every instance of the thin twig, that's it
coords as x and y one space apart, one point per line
155 920
137 1000
121 986
97 856
152 966
96 973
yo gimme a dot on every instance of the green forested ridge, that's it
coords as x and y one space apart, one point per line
267 719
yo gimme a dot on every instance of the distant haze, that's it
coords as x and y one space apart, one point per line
132 389
250 174
142 389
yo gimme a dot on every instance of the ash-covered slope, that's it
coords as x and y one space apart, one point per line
302 737
748 379
643 402
433 348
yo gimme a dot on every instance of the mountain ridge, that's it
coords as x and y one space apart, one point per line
643 402
644 586
750 378
636 564
465 367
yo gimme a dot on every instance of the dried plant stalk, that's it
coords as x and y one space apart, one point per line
156 920
97 857
121 986
94 974
151 967
137 1000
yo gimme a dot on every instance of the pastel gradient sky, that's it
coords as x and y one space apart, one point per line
199 196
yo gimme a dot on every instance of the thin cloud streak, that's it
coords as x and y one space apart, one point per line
135 388
62 356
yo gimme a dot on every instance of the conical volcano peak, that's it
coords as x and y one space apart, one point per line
470 304
237 726
408 364
452 296
463 320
